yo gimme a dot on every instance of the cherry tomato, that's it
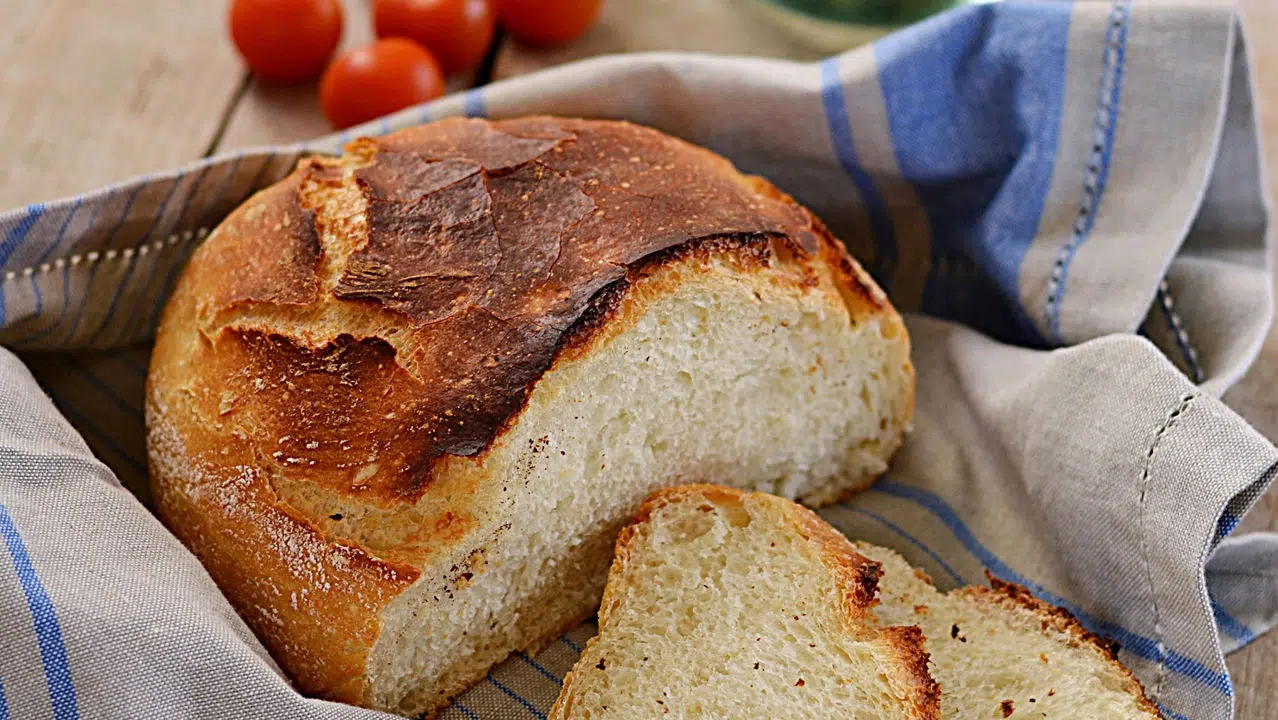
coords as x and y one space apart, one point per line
457 32
546 22
286 41
374 80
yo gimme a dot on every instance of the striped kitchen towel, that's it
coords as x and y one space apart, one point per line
1066 198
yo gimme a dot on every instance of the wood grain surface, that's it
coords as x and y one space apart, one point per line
91 99
94 94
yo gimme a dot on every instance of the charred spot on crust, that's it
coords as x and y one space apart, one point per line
909 643
350 416
867 582
487 144
406 177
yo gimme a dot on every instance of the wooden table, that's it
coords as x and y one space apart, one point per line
98 91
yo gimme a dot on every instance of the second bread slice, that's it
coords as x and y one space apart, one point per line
727 604
1000 652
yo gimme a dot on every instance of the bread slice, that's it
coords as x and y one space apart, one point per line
401 402
999 652
724 604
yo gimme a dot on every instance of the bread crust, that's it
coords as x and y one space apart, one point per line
318 379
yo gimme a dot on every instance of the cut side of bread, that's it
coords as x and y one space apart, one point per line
401 402
724 604
999 652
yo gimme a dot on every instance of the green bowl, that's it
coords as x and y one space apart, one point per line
872 12
828 26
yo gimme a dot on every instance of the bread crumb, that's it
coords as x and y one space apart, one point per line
1007 708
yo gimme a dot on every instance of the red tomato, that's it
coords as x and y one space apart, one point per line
546 22
286 41
378 79
457 32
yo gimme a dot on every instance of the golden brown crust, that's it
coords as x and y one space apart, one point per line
1057 619
319 363
312 601
911 670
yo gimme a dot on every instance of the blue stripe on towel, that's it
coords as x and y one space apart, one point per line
174 272
133 263
568 641
473 103
540 668
62 231
1231 626
1105 125
836 117
66 275
517 697
12 240
1171 714
974 101
958 579
53 653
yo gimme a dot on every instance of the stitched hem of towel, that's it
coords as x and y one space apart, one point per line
1168 423
1168 309
93 257
1104 126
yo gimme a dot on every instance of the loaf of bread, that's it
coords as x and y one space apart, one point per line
401 402
1000 652
725 604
